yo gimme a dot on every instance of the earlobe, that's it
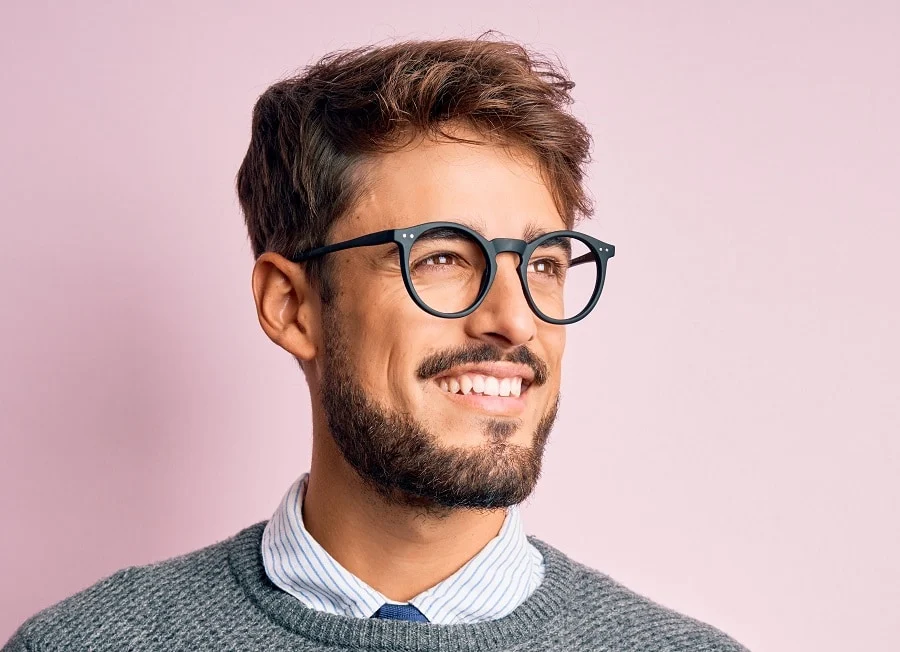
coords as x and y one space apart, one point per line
286 304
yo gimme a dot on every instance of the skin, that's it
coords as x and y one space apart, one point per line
396 547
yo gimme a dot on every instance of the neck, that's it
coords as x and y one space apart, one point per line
398 550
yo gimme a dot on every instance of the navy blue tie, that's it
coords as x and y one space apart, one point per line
400 612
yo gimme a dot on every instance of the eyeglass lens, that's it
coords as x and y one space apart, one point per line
448 267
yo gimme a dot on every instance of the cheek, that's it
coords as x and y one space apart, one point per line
384 330
554 341
367 302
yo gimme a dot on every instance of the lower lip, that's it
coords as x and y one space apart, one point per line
496 405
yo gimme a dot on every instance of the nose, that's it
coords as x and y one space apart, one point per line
504 317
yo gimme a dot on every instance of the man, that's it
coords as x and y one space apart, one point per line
410 208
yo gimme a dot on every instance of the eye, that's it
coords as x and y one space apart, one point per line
440 259
546 267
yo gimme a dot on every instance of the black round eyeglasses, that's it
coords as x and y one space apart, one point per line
448 268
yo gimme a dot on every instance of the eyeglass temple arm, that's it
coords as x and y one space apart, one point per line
381 237
588 258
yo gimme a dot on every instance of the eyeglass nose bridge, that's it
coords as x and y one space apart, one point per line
509 245
502 246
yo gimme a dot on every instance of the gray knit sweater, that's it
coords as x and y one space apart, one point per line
219 598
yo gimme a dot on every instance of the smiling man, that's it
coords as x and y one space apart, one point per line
410 209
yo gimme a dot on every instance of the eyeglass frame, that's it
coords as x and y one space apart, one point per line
404 238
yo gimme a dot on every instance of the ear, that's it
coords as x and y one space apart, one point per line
288 306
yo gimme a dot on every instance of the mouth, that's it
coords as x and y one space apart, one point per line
494 389
483 385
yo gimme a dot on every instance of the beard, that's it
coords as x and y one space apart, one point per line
406 464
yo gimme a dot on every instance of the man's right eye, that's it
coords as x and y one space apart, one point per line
436 260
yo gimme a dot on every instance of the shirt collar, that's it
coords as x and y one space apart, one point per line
489 586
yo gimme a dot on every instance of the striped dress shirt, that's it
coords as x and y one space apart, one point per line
489 586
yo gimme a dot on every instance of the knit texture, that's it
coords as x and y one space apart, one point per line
219 598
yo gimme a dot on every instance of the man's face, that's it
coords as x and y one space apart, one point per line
391 376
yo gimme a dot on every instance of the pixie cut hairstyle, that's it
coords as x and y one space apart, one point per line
312 133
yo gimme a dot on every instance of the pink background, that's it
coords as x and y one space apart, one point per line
728 442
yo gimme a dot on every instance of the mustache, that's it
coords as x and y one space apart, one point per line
443 361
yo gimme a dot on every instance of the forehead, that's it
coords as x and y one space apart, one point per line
496 190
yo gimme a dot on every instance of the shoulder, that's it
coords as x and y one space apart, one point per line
134 603
616 613
639 618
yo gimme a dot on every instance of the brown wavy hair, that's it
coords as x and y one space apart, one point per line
313 132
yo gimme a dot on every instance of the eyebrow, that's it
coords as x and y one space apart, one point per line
532 230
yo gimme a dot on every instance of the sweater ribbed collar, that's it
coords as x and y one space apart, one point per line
536 618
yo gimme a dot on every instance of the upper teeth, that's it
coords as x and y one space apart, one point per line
480 384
